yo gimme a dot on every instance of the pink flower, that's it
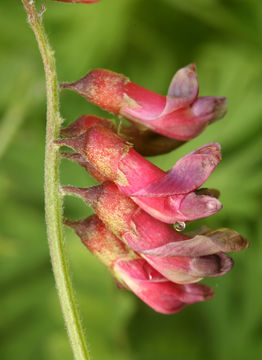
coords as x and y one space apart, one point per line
134 273
180 115
173 254
169 197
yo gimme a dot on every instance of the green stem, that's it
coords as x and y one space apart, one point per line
53 197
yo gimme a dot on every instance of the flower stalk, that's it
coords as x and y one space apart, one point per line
53 197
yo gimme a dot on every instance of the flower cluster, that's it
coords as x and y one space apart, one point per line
137 203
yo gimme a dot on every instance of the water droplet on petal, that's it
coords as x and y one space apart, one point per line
151 273
180 225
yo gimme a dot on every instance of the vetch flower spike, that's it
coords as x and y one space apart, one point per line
179 115
142 232
134 273
169 197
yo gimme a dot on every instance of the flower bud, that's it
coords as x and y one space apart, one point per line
168 196
141 232
179 115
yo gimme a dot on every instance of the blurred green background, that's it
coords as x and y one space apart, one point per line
147 41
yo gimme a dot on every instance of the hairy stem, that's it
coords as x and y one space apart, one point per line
53 197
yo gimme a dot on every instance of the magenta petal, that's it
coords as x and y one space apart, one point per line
198 246
178 269
195 206
184 83
198 292
141 103
211 242
183 89
184 207
163 296
154 233
209 108
185 270
187 175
